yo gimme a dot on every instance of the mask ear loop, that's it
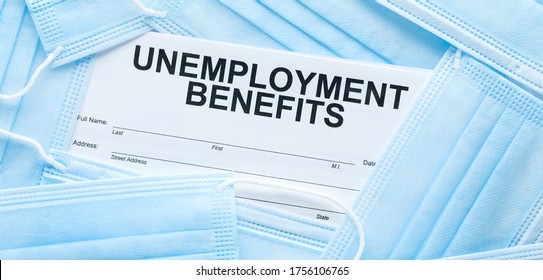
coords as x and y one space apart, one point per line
150 12
28 140
347 209
34 77
50 160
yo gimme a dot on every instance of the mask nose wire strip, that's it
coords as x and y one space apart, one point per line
50 160
150 12
35 76
347 209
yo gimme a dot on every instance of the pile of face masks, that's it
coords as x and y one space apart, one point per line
462 178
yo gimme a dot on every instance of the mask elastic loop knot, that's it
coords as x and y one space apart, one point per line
35 76
50 160
347 209
150 12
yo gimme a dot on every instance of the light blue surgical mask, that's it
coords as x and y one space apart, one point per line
86 27
476 183
526 252
139 218
515 51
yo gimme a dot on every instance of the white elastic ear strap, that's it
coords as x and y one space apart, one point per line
34 77
147 11
347 209
37 146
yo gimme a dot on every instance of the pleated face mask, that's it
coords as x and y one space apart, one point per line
138 218
463 173
276 27
456 181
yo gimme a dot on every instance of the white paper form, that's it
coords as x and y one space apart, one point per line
165 104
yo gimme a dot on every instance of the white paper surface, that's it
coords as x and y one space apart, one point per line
145 120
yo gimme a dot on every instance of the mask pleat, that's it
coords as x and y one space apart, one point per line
10 26
317 28
515 181
476 176
393 37
464 152
277 28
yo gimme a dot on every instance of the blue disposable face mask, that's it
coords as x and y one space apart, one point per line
477 182
514 50
139 218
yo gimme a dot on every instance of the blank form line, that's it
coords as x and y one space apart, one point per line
286 204
235 146
230 170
